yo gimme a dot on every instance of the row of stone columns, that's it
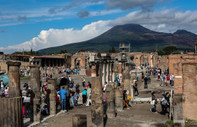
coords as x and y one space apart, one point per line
14 89
106 72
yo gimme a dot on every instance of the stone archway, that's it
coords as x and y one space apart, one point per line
144 60
77 62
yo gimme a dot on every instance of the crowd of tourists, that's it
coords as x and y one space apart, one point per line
3 90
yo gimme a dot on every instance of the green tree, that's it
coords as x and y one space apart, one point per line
112 50
160 52
63 51
169 50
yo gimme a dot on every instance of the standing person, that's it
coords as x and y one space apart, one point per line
164 105
63 94
142 76
168 80
135 88
105 86
83 81
172 80
145 82
89 90
154 102
84 95
6 91
76 96
2 85
104 102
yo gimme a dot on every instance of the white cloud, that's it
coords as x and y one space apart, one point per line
56 37
163 21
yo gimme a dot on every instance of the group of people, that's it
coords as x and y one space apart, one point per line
65 97
164 102
3 90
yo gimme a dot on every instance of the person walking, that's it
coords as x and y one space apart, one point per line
63 94
135 88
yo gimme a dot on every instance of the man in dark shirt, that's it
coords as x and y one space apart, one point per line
145 82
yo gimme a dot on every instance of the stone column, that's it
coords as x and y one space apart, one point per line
52 96
35 84
79 120
97 106
110 99
110 72
14 79
103 74
118 99
120 71
132 83
107 72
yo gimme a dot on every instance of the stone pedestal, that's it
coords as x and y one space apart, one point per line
35 84
118 99
79 120
110 99
14 79
97 106
52 96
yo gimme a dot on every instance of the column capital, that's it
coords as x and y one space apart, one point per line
34 66
10 63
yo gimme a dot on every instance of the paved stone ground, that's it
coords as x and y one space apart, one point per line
137 116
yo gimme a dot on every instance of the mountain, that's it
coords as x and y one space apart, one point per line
140 38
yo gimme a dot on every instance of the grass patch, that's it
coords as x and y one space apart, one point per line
169 123
25 78
189 122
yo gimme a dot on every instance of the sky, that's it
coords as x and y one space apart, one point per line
38 24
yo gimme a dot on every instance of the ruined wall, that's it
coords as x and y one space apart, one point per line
185 86
190 91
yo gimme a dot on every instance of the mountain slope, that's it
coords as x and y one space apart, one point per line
140 38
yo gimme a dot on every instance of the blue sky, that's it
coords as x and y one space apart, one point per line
37 24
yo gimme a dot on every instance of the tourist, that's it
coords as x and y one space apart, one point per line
83 81
84 95
2 85
89 84
63 94
154 102
105 86
72 97
135 88
117 80
89 90
164 105
145 82
6 91
168 80
172 80
104 102
76 96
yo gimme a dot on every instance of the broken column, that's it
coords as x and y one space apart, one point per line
79 120
52 96
110 99
14 79
97 106
35 84
118 99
